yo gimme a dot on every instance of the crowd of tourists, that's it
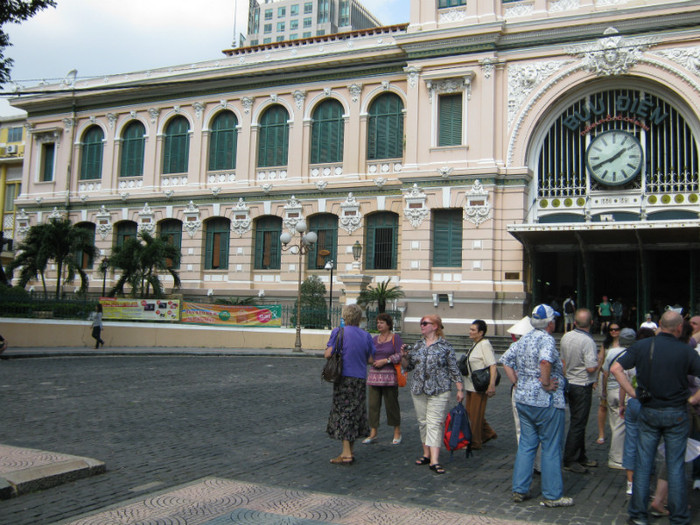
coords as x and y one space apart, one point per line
647 383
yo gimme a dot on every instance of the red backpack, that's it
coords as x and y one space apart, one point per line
458 432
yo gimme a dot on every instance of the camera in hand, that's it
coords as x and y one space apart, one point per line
643 395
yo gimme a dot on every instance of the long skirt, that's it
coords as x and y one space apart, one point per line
348 417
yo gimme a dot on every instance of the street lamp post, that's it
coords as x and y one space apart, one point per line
104 265
329 266
303 246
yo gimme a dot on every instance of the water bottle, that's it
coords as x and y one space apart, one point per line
342 322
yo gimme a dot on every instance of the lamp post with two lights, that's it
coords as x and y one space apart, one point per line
308 239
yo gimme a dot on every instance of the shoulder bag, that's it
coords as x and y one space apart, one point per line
401 378
482 378
333 369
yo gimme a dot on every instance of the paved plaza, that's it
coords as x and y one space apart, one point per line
241 439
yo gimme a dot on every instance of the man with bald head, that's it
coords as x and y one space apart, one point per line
663 365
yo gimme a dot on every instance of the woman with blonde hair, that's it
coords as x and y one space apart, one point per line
434 366
348 417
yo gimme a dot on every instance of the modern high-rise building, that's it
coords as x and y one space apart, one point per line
277 21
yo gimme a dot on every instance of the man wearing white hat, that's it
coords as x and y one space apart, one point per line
533 364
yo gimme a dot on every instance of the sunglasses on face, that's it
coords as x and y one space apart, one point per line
614 329
425 323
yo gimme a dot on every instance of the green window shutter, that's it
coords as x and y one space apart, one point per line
273 137
223 142
91 154
132 148
216 244
268 247
326 227
450 120
176 146
447 238
385 128
125 230
48 152
171 231
327 133
82 259
381 242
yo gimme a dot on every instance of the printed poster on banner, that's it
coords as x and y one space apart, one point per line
220 314
140 309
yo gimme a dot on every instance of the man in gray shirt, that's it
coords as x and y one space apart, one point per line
578 351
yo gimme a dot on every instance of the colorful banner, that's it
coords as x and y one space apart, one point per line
140 309
221 314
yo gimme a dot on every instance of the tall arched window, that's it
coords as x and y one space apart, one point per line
268 248
385 128
381 241
91 153
133 143
222 141
216 243
327 132
176 147
447 237
83 259
125 230
170 230
273 137
326 227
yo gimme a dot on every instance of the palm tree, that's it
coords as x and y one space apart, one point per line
380 294
140 261
60 241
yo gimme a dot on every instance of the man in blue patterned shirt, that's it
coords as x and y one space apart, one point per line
533 364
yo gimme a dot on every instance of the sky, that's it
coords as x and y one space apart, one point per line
104 37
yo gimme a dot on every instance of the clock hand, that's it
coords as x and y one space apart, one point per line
614 157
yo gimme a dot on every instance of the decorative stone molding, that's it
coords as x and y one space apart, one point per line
215 191
247 103
416 210
355 91
154 113
452 15
384 167
240 221
111 119
326 171
198 109
179 180
146 222
68 123
445 171
272 175
558 6
132 113
477 208
613 54
299 97
412 74
689 57
124 196
488 66
293 213
177 109
524 78
521 9
89 186
104 222
221 178
380 181
448 85
192 222
321 185
273 97
267 188
43 136
92 119
386 85
350 215
327 91
130 184
169 194
22 222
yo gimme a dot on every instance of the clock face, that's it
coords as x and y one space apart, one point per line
614 157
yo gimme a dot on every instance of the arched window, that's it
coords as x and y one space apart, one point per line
273 137
91 153
327 132
176 147
216 243
381 241
83 259
125 230
447 237
222 141
326 227
170 230
133 143
385 128
268 248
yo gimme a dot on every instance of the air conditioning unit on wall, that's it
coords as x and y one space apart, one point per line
11 149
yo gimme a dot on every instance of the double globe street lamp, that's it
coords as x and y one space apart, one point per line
308 239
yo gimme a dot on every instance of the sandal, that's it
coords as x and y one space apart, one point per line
437 468
423 461
600 441
343 460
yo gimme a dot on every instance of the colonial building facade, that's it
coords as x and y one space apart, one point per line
485 155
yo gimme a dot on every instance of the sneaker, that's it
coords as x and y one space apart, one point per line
589 463
629 488
576 467
615 465
632 521
518 497
561 502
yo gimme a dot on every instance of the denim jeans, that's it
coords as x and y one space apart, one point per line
673 425
629 453
545 426
579 398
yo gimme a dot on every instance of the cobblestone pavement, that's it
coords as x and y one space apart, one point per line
164 423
